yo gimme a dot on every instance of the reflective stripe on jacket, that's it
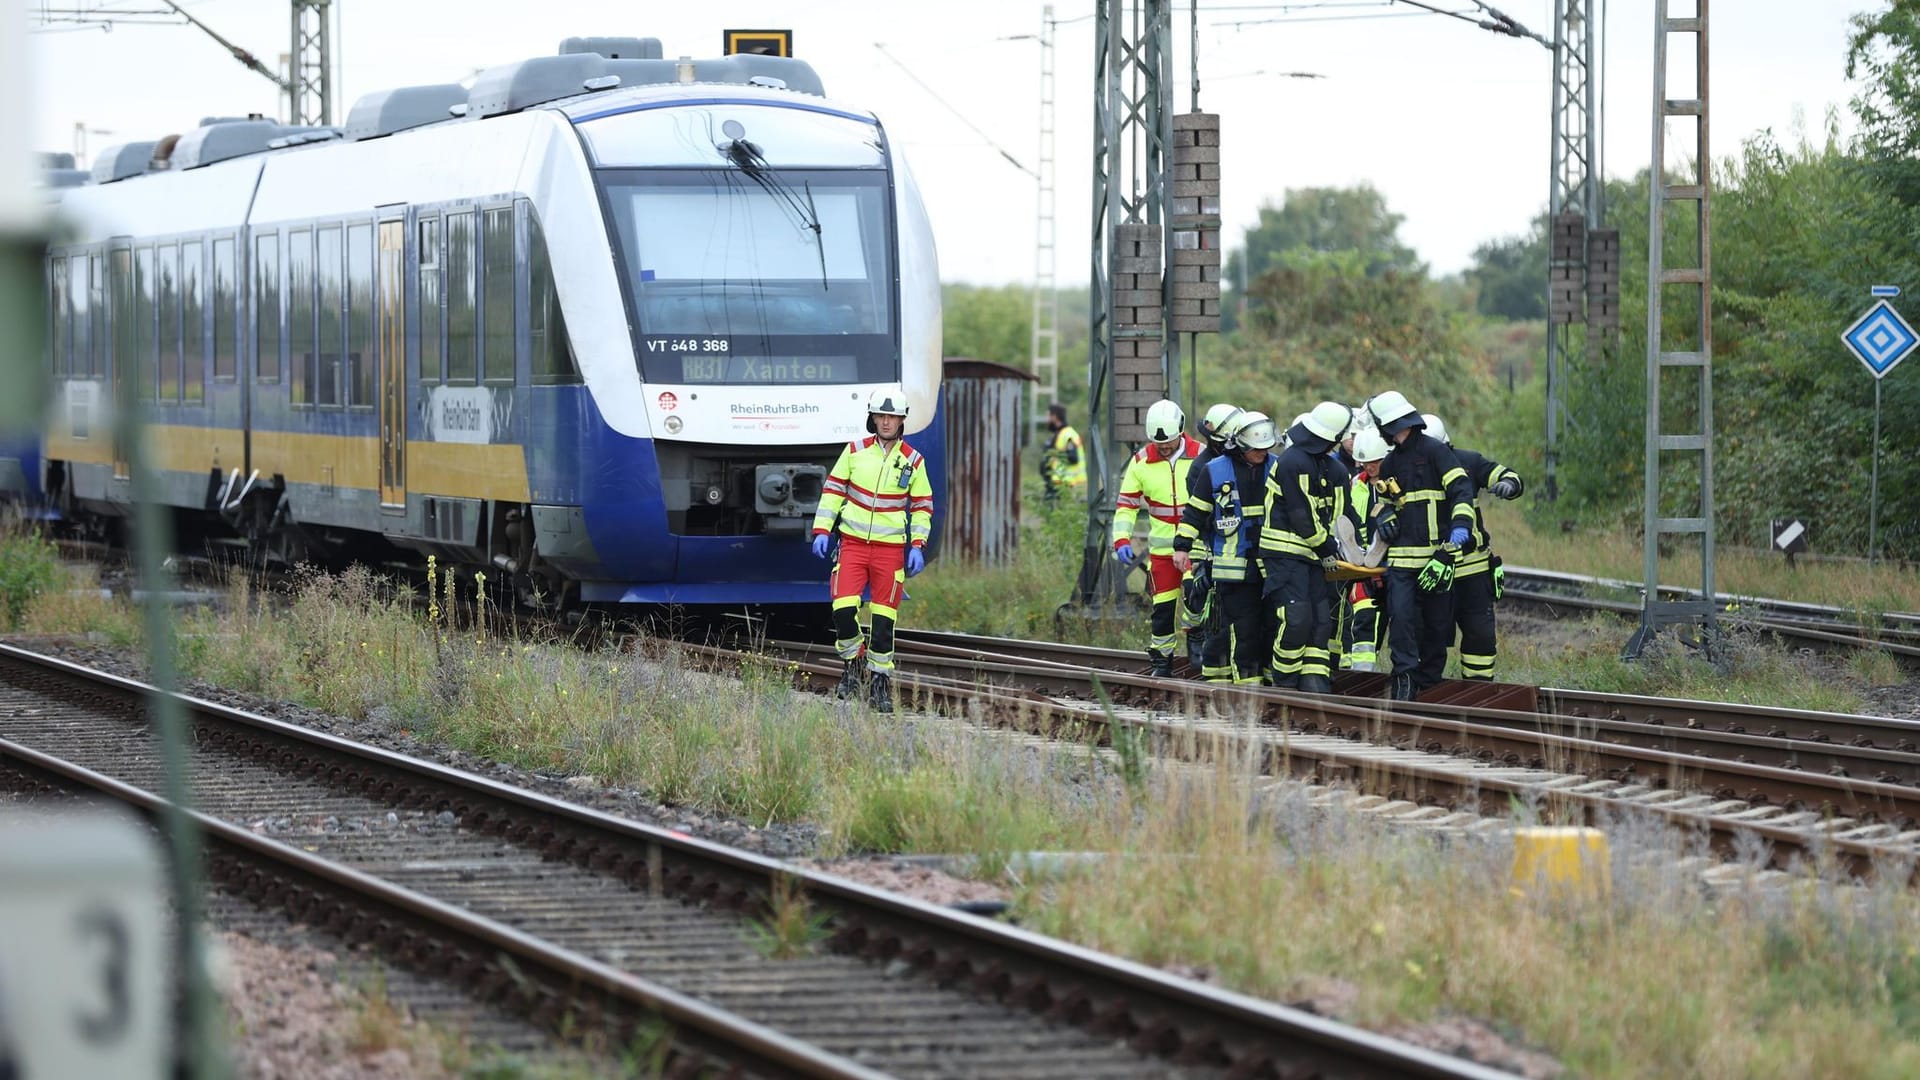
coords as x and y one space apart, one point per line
1484 472
1218 513
1066 460
878 494
1306 490
1429 493
1157 485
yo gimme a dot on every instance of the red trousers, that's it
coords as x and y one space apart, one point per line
878 569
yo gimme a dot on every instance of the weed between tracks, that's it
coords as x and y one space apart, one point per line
1208 869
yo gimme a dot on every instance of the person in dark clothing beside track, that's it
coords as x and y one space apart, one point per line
1207 635
1477 579
1426 516
1306 490
1224 515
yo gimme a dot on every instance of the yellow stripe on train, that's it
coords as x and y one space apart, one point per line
472 470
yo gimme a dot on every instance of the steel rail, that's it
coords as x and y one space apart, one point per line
455 944
1825 632
1789 726
1315 739
1521 739
1154 1012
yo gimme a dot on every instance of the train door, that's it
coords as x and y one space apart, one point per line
390 336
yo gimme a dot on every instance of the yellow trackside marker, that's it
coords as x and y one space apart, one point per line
1561 862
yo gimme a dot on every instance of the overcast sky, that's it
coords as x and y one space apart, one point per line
1449 121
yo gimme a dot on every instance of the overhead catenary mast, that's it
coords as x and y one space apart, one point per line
1046 296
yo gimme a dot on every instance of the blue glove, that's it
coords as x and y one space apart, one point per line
1458 536
1125 552
820 545
916 562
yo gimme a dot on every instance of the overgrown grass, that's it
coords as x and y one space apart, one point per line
42 595
1847 583
1585 655
355 645
1207 867
1659 978
29 569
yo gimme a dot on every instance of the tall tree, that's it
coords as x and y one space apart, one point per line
1511 274
1884 54
1324 220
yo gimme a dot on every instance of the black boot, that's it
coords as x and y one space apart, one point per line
880 693
1403 687
1315 684
849 687
1159 664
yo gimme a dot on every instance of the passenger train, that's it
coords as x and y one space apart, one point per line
601 321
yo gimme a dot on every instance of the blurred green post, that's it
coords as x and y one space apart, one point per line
25 228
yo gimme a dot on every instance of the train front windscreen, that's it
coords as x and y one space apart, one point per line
751 275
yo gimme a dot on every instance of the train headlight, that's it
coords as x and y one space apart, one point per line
674 424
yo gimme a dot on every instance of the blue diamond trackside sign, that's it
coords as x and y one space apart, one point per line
1880 338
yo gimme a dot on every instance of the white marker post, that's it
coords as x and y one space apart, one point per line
1880 339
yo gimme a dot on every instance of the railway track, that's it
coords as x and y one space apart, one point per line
1809 784
581 920
1818 626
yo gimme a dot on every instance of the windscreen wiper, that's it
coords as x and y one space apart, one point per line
748 158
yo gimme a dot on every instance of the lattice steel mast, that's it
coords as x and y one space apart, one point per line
1142 226
310 72
1046 296
1689 491
1583 268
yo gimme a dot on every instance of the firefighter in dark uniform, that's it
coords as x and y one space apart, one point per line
1477 579
1426 517
1306 491
1207 637
1223 515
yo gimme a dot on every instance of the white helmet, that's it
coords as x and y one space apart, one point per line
885 403
1329 420
1219 419
1360 420
1436 429
1393 413
1165 421
1255 431
1369 446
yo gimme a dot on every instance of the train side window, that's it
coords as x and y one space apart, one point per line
97 296
57 359
547 327
360 316
266 307
226 344
145 364
430 320
496 301
193 325
463 345
122 291
332 309
166 292
80 358
300 316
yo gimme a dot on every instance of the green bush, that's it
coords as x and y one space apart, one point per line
29 566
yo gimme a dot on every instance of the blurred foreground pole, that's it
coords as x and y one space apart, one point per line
24 226
22 240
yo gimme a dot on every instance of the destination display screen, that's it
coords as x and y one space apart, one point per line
711 360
